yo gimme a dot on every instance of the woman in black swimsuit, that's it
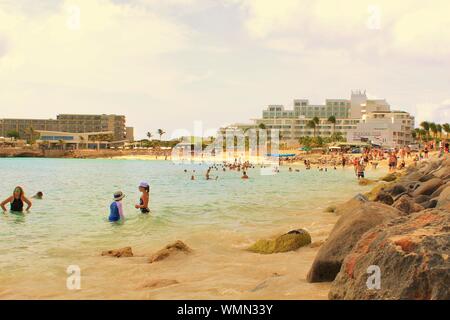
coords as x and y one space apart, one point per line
145 198
16 201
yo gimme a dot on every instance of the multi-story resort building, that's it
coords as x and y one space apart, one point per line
113 125
357 119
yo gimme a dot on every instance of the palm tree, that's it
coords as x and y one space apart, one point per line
161 132
417 134
149 135
426 126
332 119
262 126
433 129
30 132
446 128
312 125
439 130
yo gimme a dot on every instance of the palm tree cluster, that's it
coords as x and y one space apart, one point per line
431 131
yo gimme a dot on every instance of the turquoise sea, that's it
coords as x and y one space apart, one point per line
69 225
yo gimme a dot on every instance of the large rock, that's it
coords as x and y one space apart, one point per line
118 253
407 205
351 204
444 198
287 242
412 254
428 187
169 251
349 228
385 198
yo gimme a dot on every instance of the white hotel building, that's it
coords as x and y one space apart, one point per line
357 119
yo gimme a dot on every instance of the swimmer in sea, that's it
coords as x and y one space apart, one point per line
16 201
145 197
39 195
116 209
244 175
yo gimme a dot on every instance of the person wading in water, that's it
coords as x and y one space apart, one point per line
16 201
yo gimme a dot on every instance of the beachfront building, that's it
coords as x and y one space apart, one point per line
75 123
72 140
385 128
357 118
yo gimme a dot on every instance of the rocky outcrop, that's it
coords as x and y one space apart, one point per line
169 251
355 220
407 205
411 254
287 242
444 198
118 253
428 187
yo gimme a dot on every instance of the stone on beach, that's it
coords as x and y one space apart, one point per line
428 187
412 253
389 177
444 198
407 205
287 242
353 223
170 250
385 198
118 253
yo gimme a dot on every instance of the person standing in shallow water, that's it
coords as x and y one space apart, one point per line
16 201
116 209
145 198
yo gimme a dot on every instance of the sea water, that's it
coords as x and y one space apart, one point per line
217 217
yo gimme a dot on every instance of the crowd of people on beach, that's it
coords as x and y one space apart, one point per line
396 159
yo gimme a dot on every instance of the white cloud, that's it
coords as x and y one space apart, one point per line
103 52
412 28
439 113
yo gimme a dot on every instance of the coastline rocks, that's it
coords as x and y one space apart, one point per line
444 198
407 205
427 188
353 203
170 250
287 242
118 253
385 198
354 222
389 177
412 253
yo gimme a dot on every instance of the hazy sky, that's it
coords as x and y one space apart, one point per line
166 63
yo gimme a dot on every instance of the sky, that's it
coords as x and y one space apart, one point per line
173 64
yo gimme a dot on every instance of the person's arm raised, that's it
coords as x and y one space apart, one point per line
9 199
28 202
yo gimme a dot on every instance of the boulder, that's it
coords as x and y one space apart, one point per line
442 172
385 198
439 190
407 205
287 242
428 187
354 202
422 199
389 177
169 251
412 254
352 224
118 253
396 190
444 198
426 177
